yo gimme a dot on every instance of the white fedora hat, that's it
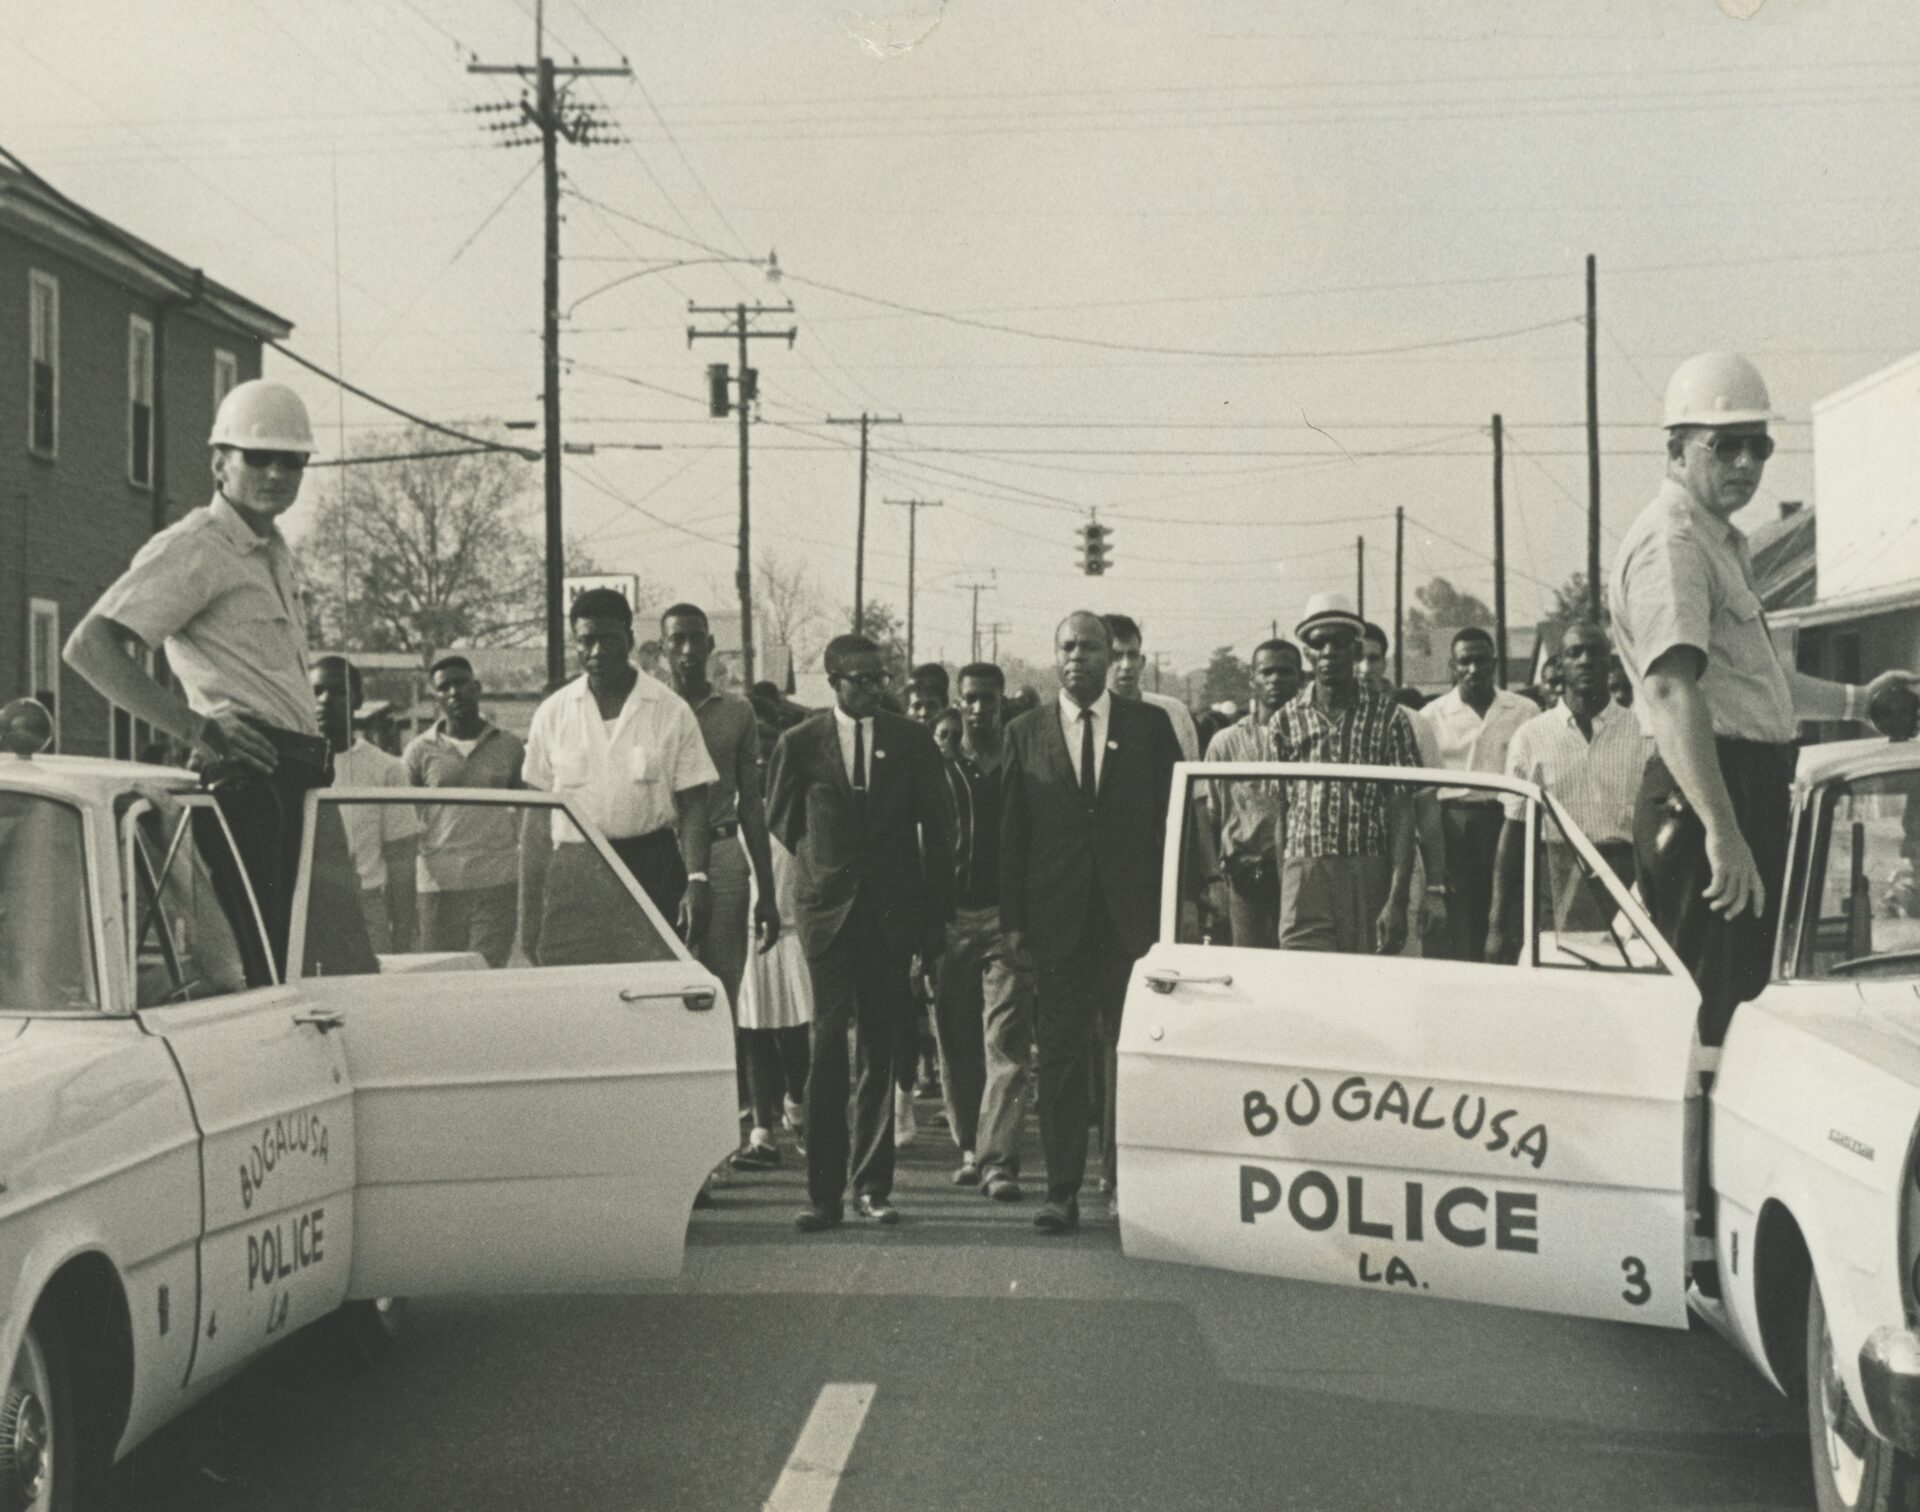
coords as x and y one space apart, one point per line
1324 612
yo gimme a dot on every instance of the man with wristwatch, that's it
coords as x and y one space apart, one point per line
219 590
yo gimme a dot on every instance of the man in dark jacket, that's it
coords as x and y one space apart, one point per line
860 798
1087 781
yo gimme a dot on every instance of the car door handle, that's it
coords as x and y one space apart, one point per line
695 999
1165 981
323 1019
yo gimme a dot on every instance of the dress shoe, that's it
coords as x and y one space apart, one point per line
815 1220
1003 1188
1058 1217
969 1172
754 1156
877 1210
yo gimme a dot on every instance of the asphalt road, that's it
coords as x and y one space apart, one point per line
980 1366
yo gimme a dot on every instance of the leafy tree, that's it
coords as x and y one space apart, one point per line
887 630
1569 608
788 609
434 552
1227 678
1439 609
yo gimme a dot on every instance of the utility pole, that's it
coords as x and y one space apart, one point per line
1399 581
996 627
551 115
913 508
863 420
1593 444
1360 576
1499 557
747 383
977 589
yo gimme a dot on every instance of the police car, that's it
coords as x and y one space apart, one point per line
197 1158
1551 1134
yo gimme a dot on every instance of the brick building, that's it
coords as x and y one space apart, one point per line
113 357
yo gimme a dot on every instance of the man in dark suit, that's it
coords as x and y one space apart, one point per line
1084 823
859 796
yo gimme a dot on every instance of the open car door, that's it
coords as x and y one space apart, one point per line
1513 1134
542 1076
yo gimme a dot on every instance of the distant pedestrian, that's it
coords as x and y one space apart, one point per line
631 756
928 693
858 796
1430 921
984 1006
1470 728
1591 756
382 838
739 860
1348 856
219 591
467 878
1250 817
1123 679
1711 823
1087 786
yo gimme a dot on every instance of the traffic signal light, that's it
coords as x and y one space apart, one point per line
1093 548
717 405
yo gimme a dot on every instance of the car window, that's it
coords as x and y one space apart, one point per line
1577 922
193 932
1861 895
1304 863
467 885
46 923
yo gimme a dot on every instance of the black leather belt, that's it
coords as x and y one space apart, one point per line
308 751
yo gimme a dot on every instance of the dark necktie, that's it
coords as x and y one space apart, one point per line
1088 788
860 766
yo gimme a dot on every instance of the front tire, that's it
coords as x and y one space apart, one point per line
1854 1470
369 1330
39 1443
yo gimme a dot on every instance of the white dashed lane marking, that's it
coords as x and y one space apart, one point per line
819 1459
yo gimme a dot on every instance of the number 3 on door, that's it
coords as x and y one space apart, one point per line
1638 1287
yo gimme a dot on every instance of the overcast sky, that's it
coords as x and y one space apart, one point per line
1153 258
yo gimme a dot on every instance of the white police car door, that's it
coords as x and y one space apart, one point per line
1513 1134
267 1084
521 1126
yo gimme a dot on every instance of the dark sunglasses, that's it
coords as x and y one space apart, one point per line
1728 448
291 460
862 679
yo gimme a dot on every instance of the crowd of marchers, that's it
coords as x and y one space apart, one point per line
984 867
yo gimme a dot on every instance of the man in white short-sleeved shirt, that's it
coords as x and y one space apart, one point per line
629 752
382 838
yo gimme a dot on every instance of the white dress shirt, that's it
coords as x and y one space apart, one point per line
1595 780
845 723
371 827
1465 741
623 776
1102 710
1181 717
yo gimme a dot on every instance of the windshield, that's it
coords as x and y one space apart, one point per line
46 936
1863 895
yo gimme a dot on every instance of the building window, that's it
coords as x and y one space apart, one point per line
43 658
226 375
43 363
132 736
140 402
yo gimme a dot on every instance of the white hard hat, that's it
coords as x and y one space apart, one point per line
1717 388
1324 611
264 416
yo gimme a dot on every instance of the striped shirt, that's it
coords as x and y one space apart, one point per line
1595 780
1340 818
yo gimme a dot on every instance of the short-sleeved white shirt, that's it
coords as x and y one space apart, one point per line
1683 578
1595 780
623 777
226 605
371 827
1462 741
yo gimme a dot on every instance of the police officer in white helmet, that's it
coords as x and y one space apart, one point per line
219 590
1710 826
